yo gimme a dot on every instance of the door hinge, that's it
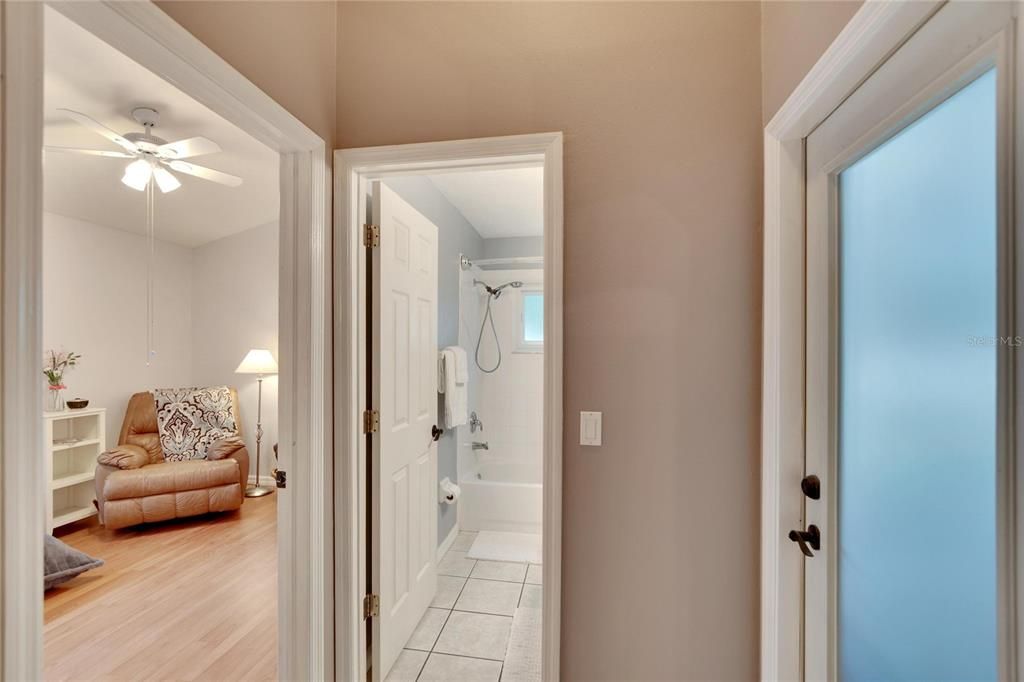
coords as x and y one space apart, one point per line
371 236
371 606
281 477
371 421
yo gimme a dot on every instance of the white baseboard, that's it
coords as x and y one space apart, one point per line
443 548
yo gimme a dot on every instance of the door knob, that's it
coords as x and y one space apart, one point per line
807 539
436 433
811 485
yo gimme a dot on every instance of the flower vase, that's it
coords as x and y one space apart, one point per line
56 399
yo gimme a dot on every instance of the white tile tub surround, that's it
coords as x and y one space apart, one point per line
501 486
470 632
512 398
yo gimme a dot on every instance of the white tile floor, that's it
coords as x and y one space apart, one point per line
464 635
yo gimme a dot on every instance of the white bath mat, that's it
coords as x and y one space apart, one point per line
498 546
523 657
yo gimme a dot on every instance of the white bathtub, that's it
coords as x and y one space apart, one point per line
502 499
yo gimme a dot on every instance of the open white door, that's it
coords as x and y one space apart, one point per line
404 393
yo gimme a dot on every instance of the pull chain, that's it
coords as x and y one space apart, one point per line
150 280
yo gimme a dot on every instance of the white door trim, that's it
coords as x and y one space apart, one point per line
147 35
353 168
875 32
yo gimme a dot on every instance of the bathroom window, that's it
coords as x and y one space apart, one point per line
531 322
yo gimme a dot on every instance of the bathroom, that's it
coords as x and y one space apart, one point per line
486 607
499 450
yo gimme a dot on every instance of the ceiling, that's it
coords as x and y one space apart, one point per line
85 74
499 203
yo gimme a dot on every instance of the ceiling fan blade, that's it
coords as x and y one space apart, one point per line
183 149
205 173
100 129
90 152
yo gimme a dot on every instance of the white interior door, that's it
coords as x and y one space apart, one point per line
910 287
404 392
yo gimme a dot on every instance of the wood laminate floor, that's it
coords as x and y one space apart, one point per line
194 599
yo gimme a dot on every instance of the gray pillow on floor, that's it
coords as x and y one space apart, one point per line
62 563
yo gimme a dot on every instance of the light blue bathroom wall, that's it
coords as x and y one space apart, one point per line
455 236
513 247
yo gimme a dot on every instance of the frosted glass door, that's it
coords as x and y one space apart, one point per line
917 399
908 365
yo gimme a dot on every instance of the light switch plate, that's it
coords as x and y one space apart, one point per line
590 428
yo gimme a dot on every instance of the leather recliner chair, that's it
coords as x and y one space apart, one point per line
134 484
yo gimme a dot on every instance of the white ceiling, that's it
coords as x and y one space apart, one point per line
499 203
85 74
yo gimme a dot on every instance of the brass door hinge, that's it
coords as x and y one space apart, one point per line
371 606
371 236
371 421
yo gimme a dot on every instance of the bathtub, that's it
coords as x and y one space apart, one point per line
503 498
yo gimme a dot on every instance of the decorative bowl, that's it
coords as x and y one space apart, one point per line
77 403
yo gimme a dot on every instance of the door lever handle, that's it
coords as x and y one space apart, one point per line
807 539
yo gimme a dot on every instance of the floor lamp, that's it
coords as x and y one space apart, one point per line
258 361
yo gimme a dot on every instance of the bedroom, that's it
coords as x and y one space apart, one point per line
140 299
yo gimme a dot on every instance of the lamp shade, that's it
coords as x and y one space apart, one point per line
137 174
257 361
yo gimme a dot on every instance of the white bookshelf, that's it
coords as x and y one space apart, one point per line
73 439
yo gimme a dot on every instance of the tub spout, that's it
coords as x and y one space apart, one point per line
480 446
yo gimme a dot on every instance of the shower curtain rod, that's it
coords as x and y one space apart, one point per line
520 260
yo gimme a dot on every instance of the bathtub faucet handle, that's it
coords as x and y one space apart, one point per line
475 423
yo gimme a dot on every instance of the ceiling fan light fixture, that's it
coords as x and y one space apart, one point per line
165 180
137 174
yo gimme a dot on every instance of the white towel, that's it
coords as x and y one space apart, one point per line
461 364
456 395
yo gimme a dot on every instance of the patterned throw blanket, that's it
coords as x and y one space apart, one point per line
190 420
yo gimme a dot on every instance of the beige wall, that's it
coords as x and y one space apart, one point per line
793 36
286 48
662 181
660 105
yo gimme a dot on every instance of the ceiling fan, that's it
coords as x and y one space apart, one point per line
154 158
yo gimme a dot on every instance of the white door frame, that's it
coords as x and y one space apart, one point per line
353 169
144 33
874 33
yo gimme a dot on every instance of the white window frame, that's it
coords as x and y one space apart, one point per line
522 345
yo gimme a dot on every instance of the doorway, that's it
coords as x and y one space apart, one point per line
158 279
364 250
304 554
890 516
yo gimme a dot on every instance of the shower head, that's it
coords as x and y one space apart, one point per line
496 291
